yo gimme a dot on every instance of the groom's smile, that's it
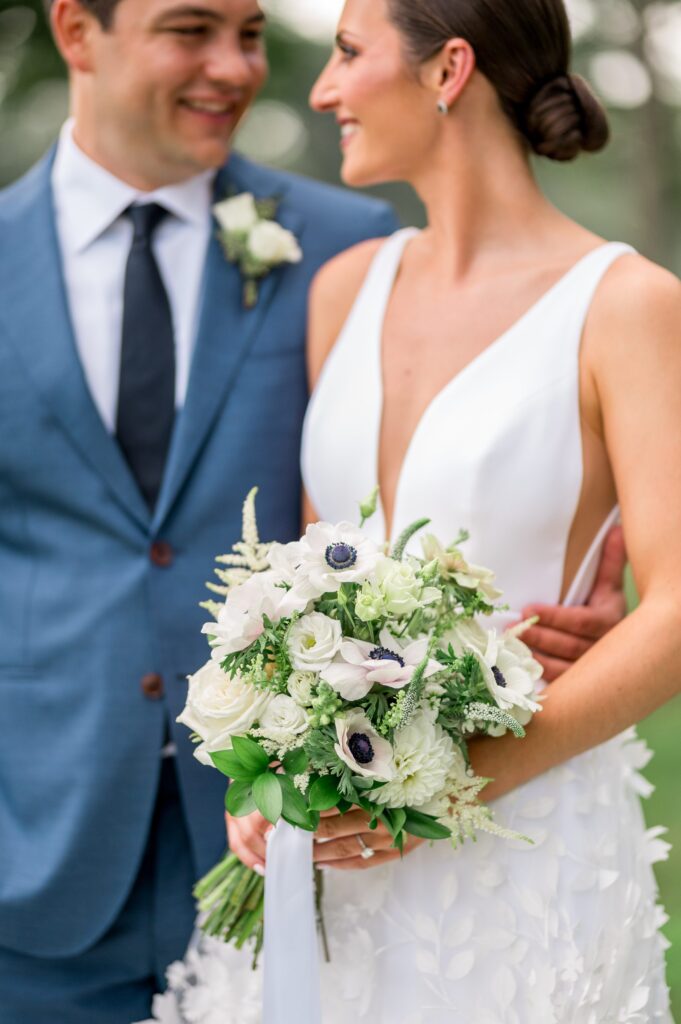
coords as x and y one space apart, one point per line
160 86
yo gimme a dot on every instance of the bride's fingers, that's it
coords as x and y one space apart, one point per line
247 839
344 825
348 847
359 863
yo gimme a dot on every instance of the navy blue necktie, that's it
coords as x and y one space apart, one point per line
146 395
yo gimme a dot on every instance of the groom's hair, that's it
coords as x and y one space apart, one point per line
103 10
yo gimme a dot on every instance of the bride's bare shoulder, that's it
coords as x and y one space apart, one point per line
332 294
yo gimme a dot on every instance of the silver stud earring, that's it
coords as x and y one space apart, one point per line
442 107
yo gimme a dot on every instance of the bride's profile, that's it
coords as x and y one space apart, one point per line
510 373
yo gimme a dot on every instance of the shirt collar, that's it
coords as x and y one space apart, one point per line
89 198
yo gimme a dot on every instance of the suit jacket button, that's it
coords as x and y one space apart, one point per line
161 554
152 686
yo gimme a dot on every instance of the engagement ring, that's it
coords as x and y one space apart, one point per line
367 852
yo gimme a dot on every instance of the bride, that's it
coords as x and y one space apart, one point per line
508 372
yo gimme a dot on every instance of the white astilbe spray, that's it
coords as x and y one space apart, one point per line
248 556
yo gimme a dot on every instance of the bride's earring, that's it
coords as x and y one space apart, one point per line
442 107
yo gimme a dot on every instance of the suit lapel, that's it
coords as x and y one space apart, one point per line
38 324
226 334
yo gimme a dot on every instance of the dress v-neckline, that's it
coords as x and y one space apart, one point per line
470 367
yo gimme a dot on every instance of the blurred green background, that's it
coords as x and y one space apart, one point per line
630 50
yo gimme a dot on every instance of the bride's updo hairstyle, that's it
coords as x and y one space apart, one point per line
523 48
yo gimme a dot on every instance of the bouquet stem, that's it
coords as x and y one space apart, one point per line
231 901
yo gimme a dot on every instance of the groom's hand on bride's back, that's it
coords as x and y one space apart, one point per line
564 634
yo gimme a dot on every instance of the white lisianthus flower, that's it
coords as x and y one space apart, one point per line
282 720
331 555
369 604
301 687
270 243
362 749
237 214
359 665
240 620
423 756
219 707
510 673
466 634
402 591
452 563
313 642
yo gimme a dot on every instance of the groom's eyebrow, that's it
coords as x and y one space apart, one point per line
197 11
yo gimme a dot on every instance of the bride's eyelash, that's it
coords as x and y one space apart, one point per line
349 52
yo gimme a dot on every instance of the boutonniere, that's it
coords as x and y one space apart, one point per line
253 239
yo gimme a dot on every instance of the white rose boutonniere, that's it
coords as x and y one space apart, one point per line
253 239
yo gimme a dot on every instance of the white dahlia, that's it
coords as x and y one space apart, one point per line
423 756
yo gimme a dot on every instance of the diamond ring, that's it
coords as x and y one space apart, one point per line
367 852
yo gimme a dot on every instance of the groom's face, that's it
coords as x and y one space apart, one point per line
169 81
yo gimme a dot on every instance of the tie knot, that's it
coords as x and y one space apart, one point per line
145 219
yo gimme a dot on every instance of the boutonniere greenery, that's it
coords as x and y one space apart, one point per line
253 239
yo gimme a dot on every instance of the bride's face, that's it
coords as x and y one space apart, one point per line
386 114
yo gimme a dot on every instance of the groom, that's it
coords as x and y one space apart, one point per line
139 402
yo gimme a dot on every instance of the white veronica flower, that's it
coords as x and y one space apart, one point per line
219 707
452 563
331 555
359 665
362 749
510 673
240 620
282 719
313 641
270 243
423 756
238 213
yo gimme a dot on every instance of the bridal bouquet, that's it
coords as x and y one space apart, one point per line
343 675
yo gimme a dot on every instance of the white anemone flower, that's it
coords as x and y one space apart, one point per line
362 749
331 555
510 673
359 665
240 620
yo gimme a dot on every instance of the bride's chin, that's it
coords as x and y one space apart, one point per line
357 177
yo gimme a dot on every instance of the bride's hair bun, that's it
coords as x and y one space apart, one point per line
564 118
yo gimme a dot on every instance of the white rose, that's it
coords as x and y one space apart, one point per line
237 214
219 707
270 243
313 642
301 687
400 587
282 719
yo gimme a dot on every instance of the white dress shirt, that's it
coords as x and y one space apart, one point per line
95 239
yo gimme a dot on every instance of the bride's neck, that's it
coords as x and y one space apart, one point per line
481 199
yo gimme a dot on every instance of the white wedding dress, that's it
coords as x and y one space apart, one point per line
565 931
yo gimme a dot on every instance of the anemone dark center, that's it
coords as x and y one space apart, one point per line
341 556
499 677
384 654
360 747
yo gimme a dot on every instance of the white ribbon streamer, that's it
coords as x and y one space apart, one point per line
291 986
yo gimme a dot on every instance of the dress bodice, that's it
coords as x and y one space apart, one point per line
498 450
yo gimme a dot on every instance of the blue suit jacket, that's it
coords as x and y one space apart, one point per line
84 611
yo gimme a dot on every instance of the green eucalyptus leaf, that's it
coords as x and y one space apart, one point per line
295 762
250 753
239 799
295 810
425 826
230 765
324 794
268 796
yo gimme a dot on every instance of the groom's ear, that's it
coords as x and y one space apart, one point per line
73 27
451 69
